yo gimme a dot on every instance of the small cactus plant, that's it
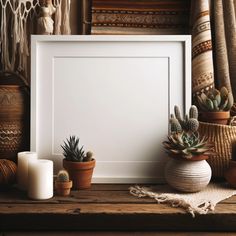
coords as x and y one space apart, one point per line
63 176
184 140
215 100
188 124
63 183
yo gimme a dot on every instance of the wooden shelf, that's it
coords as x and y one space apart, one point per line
107 207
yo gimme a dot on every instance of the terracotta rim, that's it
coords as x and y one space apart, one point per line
215 115
79 165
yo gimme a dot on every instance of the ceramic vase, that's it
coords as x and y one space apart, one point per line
187 176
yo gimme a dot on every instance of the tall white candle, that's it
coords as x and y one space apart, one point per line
40 184
22 168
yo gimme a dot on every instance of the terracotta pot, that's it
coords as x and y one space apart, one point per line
230 174
221 117
63 188
14 117
80 173
187 176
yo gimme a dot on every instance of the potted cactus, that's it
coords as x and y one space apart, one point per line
215 106
187 169
63 183
79 164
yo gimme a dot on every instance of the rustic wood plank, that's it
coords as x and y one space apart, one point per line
137 217
87 196
107 207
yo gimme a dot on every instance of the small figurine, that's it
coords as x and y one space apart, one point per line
45 22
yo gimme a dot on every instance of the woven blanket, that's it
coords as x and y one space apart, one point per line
200 203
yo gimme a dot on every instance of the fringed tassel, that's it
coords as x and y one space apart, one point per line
166 198
58 14
66 18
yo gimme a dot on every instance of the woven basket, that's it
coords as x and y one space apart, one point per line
14 115
222 136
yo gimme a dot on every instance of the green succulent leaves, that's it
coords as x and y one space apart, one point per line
71 150
215 100
184 140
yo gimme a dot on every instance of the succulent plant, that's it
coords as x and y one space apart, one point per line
188 124
215 100
184 140
187 145
63 176
71 150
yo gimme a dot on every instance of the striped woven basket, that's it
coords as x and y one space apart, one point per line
222 136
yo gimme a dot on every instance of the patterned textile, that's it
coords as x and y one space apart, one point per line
140 16
224 45
202 60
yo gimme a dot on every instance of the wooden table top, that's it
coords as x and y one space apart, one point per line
107 207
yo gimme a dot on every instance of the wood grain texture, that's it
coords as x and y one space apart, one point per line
107 208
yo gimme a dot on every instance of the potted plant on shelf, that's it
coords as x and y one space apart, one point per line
63 183
187 169
79 164
215 106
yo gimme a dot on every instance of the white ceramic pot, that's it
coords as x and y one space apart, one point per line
187 176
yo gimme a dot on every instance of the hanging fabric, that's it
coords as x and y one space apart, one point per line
202 59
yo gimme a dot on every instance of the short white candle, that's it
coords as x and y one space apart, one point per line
22 168
40 182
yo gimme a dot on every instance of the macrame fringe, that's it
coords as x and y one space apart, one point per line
66 18
166 198
14 47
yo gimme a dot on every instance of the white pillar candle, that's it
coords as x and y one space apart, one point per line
40 182
22 168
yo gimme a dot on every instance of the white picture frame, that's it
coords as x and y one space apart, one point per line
116 93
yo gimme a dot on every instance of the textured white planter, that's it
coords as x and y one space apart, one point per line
187 176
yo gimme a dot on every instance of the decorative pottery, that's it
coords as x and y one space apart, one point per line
80 173
187 176
14 116
63 188
230 174
7 172
219 117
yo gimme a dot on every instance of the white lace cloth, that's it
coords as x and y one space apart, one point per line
199 203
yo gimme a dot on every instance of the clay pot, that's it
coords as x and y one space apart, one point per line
230 174
14 116
186 175
80 173
63 188
220 117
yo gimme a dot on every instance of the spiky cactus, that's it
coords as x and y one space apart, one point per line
187 145
215 100
193 112
184 140
63 176
72 151
188 124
